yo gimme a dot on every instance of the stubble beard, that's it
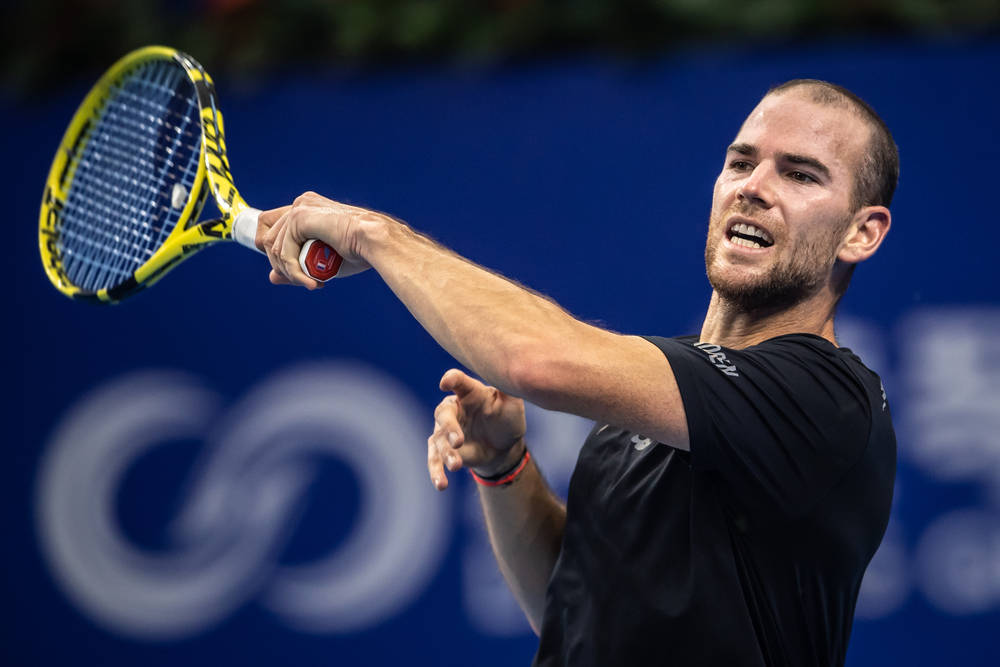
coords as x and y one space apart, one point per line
784 285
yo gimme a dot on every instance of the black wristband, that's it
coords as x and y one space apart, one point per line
507 476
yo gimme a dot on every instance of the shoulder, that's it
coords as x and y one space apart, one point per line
783 353
797 384
819 360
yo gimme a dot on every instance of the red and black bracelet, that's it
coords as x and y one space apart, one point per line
506 477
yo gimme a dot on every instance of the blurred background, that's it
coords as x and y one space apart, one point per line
220 471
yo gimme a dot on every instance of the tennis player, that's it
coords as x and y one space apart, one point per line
737 483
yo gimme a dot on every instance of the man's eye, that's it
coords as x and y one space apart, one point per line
739 165
801 177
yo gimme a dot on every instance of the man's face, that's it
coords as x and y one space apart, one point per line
783 201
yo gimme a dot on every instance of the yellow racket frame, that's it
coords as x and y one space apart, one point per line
188 235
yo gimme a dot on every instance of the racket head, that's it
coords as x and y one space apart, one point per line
134 169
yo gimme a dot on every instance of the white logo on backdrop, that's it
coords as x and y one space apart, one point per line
953 399
243 502
948 426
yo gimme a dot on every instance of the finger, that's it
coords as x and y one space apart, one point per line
265 221
435 467
447 422
274 251
278 279
289 250
267 235
443 437
453 460
269 241
458 382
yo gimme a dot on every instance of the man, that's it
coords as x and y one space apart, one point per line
735 485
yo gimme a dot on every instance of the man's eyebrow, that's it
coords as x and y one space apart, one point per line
742 149
750 150
807 161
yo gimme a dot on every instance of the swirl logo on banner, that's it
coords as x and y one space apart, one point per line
243 503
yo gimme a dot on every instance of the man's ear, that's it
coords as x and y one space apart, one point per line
865 234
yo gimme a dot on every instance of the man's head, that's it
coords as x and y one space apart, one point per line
803 196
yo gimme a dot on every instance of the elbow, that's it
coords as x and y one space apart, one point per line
535 373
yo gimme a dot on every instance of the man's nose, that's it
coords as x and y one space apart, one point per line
756 189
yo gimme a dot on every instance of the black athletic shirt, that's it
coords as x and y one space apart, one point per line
750 548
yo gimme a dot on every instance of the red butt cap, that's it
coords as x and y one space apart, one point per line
322 262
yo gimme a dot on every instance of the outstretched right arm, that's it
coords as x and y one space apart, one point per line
482 428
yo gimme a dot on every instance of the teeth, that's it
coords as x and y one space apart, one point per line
744 242
750 230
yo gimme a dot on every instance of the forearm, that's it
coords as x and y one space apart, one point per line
490 324
525 522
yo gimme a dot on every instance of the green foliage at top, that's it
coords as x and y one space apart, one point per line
51 41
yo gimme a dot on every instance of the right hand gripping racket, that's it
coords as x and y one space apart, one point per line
130 178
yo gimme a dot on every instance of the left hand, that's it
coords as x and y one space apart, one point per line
282 231
477 426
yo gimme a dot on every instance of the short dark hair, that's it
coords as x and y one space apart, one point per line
875 182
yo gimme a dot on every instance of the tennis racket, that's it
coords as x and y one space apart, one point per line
127 186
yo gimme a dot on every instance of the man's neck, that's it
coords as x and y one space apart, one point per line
727 325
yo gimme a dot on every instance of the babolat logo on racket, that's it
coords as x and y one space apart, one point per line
215 158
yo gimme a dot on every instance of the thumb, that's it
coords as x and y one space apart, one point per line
458 382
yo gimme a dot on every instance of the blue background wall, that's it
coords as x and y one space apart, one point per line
168 508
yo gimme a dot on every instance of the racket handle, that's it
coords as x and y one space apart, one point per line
319 260
316 258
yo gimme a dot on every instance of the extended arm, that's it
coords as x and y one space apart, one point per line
519 341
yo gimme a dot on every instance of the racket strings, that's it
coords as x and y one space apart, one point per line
109 249
93 245
128 125
107 197
126 262
146 138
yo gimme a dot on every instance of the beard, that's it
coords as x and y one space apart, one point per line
786 283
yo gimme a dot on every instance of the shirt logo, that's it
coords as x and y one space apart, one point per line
641 442
718 358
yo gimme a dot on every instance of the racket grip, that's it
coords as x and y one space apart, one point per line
316 258
319 260
245 228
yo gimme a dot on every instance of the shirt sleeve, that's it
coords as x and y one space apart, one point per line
781 422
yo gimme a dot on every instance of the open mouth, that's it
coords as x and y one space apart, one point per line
749 236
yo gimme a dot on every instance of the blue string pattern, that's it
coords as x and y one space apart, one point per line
145 139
